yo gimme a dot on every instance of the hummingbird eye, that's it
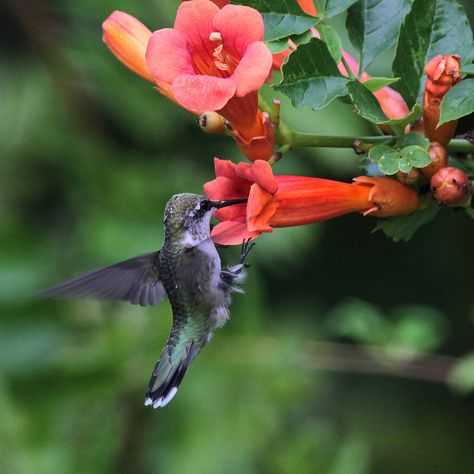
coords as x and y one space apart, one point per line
202 207
206 205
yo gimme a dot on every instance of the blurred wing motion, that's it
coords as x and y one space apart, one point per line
136 280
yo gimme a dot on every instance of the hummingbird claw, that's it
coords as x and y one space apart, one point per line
244 251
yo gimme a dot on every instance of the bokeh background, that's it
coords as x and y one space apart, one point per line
348 353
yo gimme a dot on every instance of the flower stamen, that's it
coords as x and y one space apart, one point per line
223 61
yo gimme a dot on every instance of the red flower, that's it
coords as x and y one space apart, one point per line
215 59
443 73
283 201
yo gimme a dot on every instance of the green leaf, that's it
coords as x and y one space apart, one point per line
416 156
377 151
310 76
468 69
414 138
365 103
359 321
461 377
386 158
432 27
373 26
417 329
404 164
376 83
331 38
280 45
282 18
404 227
335 7
399 125
368 107
458 102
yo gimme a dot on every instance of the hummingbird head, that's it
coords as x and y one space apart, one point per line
187 217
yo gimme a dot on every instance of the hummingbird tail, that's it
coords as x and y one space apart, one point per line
168 374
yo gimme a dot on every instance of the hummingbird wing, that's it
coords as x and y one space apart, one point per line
136 280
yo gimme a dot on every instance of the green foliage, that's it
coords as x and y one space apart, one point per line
282 18
391 160
407 330
332 40
468 69
458 101
398 126
432 27
282 44
461 377
417 328
365 103
404 227
413 156
368 107
386 158
335 7
376 83
414 138
373 26
310 76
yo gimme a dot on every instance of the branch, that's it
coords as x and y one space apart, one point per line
378 361
349 358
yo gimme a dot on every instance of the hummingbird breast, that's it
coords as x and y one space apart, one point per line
191 277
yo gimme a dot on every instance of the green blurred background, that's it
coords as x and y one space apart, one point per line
348 353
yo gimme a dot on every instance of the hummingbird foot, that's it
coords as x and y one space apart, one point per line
235 274
245 250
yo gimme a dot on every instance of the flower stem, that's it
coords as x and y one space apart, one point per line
301 139
458 145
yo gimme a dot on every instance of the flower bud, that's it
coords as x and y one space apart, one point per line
443 72
308 7
451 186
409 178
212 122
388 197
127 39
439 159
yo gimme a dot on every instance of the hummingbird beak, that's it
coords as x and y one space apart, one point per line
229 202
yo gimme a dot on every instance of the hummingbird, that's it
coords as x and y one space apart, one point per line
188 271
